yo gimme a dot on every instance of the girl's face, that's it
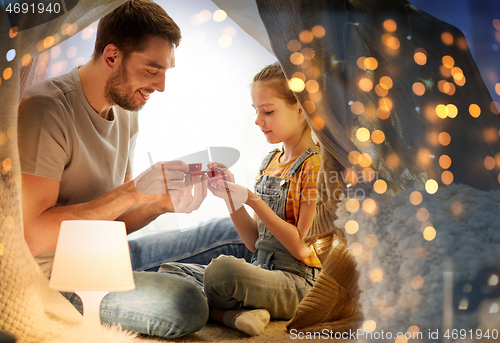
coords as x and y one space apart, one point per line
278 120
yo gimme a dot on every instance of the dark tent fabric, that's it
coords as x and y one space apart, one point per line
382 68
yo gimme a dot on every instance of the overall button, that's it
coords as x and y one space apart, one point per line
257 178
282 183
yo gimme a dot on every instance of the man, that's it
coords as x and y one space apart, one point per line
76 139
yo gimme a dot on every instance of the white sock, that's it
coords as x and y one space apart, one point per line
251 322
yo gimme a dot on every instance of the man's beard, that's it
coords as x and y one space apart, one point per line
119 91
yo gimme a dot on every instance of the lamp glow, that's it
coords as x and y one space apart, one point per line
92 258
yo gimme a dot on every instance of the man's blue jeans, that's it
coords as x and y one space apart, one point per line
163 304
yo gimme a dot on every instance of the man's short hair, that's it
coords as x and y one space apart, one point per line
132 24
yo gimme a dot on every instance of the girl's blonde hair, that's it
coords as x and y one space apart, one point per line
273 75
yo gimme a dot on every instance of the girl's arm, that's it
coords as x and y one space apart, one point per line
288 234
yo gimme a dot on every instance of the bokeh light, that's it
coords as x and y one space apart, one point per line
390 25
352 205
365 160
296 84
423 214
351 227
318 31
431 186
447 177
7 73
380 186
444 138
418 88
356 249
447 38
378 136
376 275
297 58
371 240
416 198
354 157
225 41
429 233
369 326
489 163
474 110
306 36
369 205
362 134
417 282
444 161
357 107
365 84
219 15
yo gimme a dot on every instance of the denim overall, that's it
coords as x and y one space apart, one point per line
270 253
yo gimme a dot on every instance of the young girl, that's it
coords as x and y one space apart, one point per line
242 295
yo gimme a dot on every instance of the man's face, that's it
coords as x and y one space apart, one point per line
140 74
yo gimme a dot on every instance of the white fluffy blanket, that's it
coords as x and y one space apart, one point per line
466 222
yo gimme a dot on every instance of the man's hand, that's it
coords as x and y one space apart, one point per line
166 184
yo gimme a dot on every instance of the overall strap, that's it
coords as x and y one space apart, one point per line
302 158
267 160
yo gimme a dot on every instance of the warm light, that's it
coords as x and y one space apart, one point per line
370 63
431 186
489 162
416 198
392 161
220 15
318 122
362 134
447 38
293 45
378 136
444 138
13 32
393 43
7 73
357 108
385 103
474 110
380 186
297 58
448 62
424 157
365 84
494 107
369 326
25 60
417 282
365 160
7 164
381 91
296 84
376 275
420 58
401 339
352 205
318 31
351 227
418 88
422 214
92 258
204 16
390 25
312 86
355 249
225 41
445 161
457 208
361 62
369 205
497 88
451 110
371 240
354 157
386 82
368 174
429 233
306 36
447 177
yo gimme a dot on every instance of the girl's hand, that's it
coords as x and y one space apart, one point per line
233 194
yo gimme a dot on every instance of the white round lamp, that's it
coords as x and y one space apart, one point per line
92 258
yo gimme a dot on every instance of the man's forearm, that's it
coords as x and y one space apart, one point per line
42 231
